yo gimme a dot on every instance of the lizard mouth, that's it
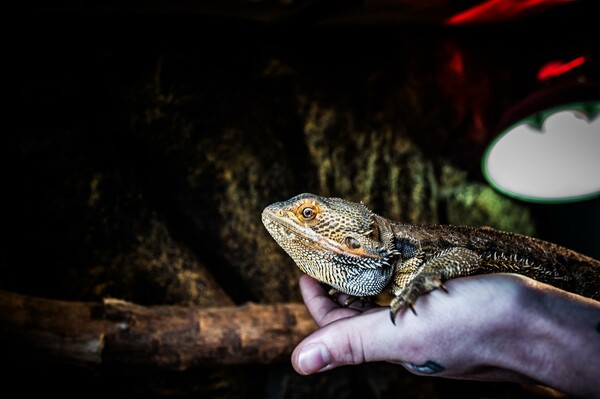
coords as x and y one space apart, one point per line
283 229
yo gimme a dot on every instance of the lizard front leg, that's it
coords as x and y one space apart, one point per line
415 281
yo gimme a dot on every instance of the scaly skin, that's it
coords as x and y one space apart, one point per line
357 252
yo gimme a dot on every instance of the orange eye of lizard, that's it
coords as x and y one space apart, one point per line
308 213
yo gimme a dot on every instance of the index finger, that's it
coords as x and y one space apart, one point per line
320 306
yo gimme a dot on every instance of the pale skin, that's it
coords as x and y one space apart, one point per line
499 327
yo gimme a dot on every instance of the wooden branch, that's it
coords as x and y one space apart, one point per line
120 333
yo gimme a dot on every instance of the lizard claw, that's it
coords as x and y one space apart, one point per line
444 288
397 304
349 301
363 300
335 294
394 309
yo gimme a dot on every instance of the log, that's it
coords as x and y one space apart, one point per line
120 333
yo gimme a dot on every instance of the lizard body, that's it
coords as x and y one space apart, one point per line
357 252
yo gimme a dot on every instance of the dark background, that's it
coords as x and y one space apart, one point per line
145 139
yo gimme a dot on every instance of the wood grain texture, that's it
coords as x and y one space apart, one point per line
120 333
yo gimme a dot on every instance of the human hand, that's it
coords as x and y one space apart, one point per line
499 327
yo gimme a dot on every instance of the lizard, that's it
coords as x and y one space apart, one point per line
353 250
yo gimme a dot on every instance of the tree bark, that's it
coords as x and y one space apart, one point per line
120 333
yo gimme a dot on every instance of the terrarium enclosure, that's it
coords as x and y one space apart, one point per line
144 140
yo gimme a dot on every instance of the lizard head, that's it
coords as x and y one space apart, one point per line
333 240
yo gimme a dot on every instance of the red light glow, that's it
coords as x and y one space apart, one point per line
498 10
556 68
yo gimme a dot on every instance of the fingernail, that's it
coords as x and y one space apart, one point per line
313 358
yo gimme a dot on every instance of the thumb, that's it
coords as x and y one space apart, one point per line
348 341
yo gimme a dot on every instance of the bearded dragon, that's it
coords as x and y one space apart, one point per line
359 253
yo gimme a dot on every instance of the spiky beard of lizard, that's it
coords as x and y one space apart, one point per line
335 241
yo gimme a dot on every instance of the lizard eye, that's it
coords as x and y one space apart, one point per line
308 213
352 243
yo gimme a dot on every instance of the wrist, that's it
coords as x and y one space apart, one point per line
549 336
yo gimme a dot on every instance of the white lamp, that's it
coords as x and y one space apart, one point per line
549 148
